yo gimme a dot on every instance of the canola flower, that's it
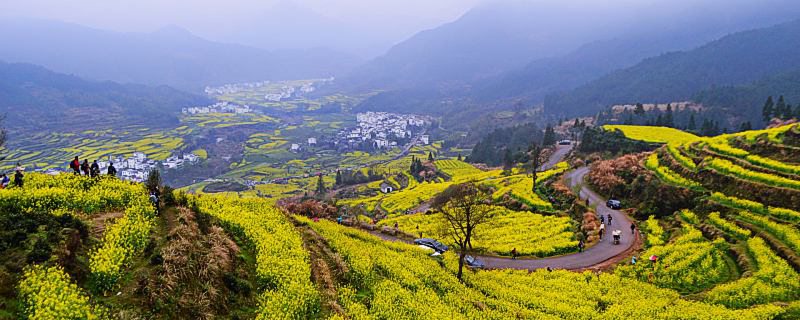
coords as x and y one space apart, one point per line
729 168
654 134
773 281
48 293
69 194
404 283
667 175
728 227
282 264
690 263
531 234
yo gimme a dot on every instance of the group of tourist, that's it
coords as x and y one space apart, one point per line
5 180
92 170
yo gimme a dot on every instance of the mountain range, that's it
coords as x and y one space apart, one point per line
736 59
33 97
461 66
169 56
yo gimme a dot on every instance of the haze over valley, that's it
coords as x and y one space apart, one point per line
349 159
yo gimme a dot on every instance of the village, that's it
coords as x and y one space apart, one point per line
137 167
219 107
374 131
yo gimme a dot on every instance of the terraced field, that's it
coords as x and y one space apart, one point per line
756 205
531 234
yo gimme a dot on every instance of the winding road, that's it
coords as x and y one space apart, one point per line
597 255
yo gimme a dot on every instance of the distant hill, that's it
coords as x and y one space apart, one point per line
435 72
736 59
749 98
170 56
33 97
490 39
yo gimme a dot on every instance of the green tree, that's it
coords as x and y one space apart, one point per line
321 189
508 160
797 111
430 155
780 108
692 123
768 110
669 120
464 208
338 177
549 136
536 153
639 109
746 126
153 182
459 157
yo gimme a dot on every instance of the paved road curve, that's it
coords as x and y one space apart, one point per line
595 255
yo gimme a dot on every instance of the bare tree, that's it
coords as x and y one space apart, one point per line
464 207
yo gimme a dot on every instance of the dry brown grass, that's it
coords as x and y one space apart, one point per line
190 276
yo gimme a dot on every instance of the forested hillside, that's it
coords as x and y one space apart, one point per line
34 97
733 60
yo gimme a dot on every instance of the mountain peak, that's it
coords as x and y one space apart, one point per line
173 30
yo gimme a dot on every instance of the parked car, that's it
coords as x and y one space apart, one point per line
614 204
431 243
473 262
434 253
565 142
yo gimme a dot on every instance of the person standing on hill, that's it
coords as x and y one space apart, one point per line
111 170
514 254
581 245
609 218
18 178
95 169
154 201
633 228
602 230
75 165
85 167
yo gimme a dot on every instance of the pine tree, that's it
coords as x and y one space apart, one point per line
549 136
746 126
639 109
669 120
430 156
459 157
692 124
780 108
508 161
338 177
768 110
797 112
321 185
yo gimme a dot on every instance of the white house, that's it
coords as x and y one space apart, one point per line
295 147
425 139
386 188
139 156
380 143
312 141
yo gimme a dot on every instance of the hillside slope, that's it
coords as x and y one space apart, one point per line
735 59
33 97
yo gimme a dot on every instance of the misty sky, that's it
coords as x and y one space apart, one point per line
385 22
